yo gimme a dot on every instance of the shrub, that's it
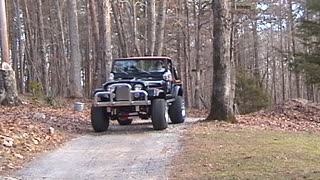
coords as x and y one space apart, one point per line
36 89
250 97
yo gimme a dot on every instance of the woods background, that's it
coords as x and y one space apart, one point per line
65 47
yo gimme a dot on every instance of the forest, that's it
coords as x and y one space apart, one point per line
250 71
64 48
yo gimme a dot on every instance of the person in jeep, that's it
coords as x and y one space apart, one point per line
157 67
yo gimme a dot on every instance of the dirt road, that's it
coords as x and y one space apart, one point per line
124 152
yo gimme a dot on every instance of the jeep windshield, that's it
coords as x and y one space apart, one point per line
138 68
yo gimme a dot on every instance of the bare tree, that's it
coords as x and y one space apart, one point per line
62 55
151 26
4 35
43 54
197 17
160 27
133 25
293 47
8 88
75 69
222 101
21 69
105 39
96 44
120 28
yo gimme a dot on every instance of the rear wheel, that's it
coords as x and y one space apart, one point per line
177 111
125 121
159 115
99 119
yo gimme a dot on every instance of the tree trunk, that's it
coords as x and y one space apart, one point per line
222 101
105 39
187 55
43 54
75 69
120 29
134 29
63 85
197 17
274 81
256 71
88 62
96 39
8 86
178 39
233 79
151 33
4 35
160 27
20 48
293 48
282 56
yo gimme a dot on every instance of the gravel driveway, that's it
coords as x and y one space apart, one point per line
124 152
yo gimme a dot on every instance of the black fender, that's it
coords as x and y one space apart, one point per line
178 91
156 93
97 90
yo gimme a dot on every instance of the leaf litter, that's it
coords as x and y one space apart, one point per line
35 127
292 115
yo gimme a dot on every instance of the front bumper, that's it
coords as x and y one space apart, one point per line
113 103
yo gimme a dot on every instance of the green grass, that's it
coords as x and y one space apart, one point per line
249 154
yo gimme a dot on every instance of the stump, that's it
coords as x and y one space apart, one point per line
8 88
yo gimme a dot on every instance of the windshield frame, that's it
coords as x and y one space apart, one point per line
143 72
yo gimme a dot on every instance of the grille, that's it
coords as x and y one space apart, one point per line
122 93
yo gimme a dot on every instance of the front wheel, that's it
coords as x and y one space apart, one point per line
99 119
159 115
177 111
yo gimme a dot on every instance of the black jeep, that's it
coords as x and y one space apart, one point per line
139 87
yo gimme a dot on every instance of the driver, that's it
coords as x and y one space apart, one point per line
157 67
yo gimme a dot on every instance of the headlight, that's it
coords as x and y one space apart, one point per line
110 88
138 87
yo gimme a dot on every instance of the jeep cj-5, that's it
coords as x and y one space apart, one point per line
139 87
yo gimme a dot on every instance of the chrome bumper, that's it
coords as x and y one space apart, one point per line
113 103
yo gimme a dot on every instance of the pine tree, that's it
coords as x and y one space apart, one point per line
309 30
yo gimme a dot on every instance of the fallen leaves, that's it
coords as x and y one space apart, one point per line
197 113
294 115
7 141
32 128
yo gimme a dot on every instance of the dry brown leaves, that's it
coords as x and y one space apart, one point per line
294 115
197 113
32 128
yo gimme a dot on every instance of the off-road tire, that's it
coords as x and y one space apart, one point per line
176 111
125 122
158 114
99 119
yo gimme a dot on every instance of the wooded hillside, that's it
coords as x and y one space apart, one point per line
65 47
